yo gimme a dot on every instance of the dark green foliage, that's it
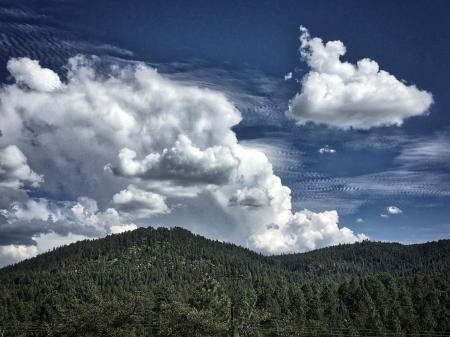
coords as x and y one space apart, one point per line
169 282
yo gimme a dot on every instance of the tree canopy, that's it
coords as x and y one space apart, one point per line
170 282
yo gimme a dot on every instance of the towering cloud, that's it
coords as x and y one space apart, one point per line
346 95
126 146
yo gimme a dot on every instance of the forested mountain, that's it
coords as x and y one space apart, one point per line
170 282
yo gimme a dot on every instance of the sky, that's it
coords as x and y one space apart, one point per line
281 126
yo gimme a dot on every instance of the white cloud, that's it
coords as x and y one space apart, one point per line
85 213
288 76
346 95
18 252
384 215
10 254
122 228
46 242
30 73
138 202
326 150
14 169
32 210
394 210
165 143
23 221
360 220
304 230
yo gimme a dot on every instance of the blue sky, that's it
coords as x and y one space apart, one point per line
358 166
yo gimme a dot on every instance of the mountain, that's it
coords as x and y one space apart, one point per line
170 282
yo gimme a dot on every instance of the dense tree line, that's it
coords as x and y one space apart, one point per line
169 282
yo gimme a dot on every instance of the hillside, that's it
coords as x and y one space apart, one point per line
170 282
371 257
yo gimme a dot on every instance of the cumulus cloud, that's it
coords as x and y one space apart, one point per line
360 220
183 163
170 154
23 221
86 213
346 95
31 210
394 210
31 74
326 150
304 230
14 169
139 202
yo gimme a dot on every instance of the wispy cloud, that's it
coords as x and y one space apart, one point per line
384 140
426 153
415 168
26 31
261 98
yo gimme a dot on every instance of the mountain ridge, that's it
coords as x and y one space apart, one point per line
343 252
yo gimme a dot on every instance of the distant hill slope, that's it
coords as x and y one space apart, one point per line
371 257
170 282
